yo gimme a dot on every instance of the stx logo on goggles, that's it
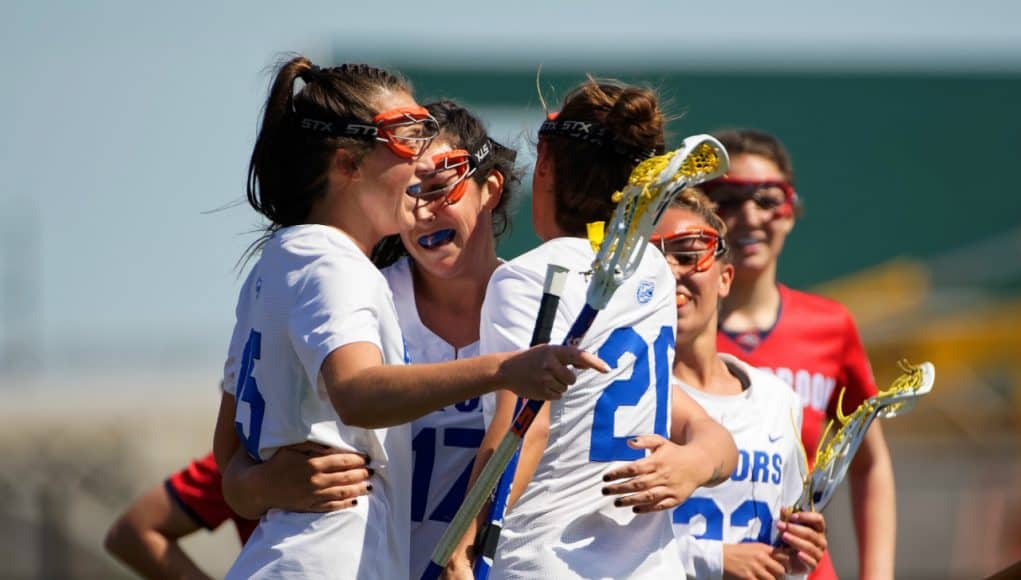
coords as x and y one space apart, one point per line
577 126
482 152
315 125
357 130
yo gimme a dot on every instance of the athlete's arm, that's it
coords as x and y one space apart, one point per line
700 453
366 393
874 505
460 565
306 477
873 498
225 438
145 537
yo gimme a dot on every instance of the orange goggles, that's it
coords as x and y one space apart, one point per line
730 194
406 131
692 249
449 181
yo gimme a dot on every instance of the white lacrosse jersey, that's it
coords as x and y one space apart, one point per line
765 421
444 442
563 526
311 292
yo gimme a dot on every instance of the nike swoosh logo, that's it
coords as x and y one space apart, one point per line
775 439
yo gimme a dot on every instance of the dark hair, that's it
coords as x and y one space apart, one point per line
288 170
463 130
753 142
586 174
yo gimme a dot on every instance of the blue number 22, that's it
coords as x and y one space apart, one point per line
605 446
247 391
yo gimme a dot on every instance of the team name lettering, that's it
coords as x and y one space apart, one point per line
758 466
814 389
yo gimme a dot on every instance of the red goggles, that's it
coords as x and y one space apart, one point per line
730 194
449 181
406 131
691 249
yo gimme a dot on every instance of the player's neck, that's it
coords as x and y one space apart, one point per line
697 364
451 307
753 303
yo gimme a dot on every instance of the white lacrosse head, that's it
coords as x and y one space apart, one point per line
836 451
651 187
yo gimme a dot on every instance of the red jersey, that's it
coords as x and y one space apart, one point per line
197 489
815 348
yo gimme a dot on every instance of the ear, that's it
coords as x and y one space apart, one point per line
492 190
543 160
344 162
726 279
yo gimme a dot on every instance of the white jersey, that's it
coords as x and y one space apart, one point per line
444 442
311 292
765 421
563 526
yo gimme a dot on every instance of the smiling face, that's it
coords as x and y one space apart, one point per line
448 240
382 178
701 282
756 235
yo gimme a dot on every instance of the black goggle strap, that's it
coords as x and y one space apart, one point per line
339 127
592 133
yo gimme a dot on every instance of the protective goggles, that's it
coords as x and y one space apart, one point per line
449 181
730 194
407 131
691 249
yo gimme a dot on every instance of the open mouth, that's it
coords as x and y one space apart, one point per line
437 238
682 299
414 189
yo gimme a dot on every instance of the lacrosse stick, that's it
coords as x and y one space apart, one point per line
556 277
837 449
650 189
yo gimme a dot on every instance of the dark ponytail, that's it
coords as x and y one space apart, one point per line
288 170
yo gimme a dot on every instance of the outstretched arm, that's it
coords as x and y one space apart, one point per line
699 453
874 504
145 537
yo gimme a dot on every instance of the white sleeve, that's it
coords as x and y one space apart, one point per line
509 310
238 337
337 303
703 559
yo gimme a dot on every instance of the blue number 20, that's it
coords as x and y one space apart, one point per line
247 391
628 392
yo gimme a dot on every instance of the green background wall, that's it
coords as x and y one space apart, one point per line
887 165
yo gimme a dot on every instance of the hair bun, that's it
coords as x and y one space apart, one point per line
635 120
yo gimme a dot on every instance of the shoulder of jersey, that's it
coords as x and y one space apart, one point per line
813 303
765 383
398 274
567 252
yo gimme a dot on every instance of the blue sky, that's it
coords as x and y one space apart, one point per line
125 123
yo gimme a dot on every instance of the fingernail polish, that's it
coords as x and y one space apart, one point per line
372 472
354 502
617 502
368 487
368 460
635 509
606 478
606 491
